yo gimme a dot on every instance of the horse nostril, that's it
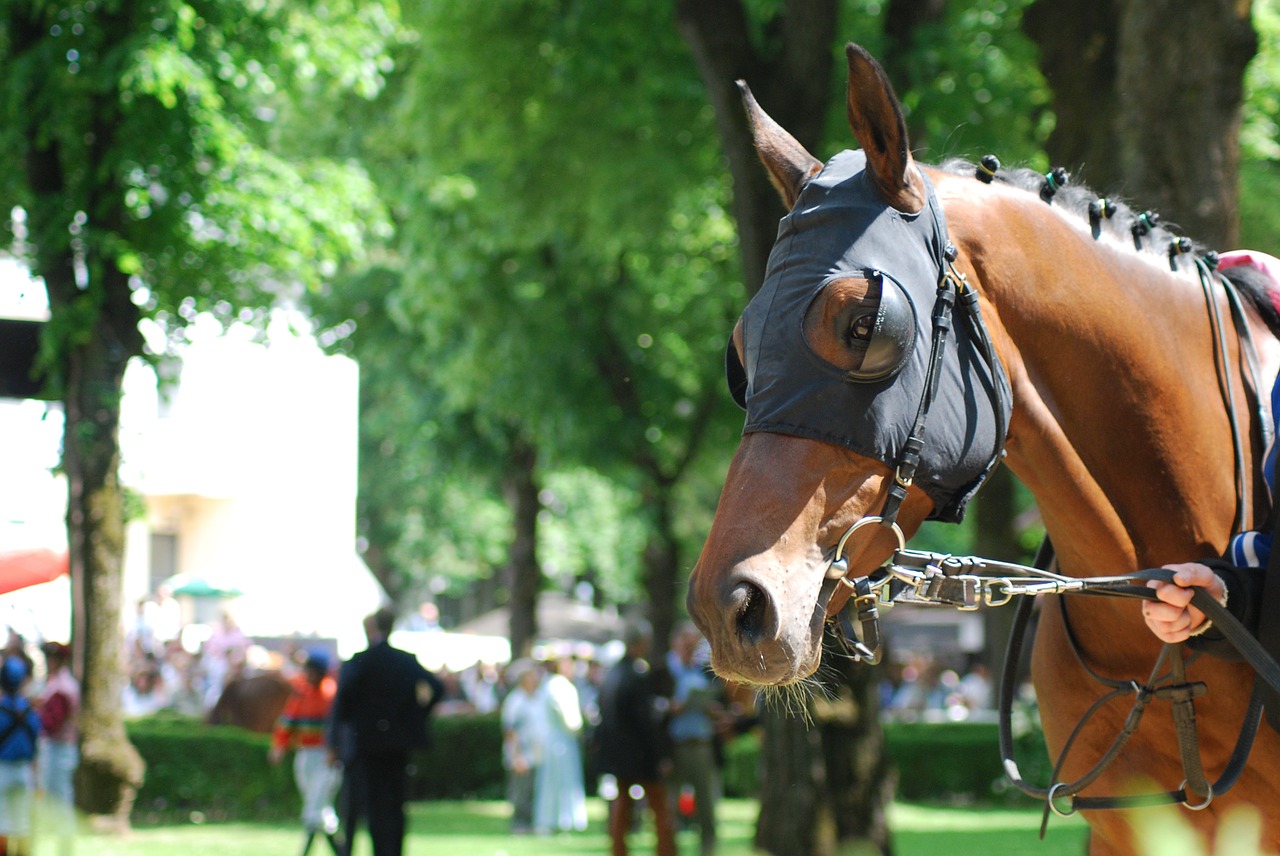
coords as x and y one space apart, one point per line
750 606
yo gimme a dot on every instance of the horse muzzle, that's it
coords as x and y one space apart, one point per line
764 628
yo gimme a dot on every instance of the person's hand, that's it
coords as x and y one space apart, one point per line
276 753
1172 618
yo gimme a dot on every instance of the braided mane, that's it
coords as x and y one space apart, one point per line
1257 288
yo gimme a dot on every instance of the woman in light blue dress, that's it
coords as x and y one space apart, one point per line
560 802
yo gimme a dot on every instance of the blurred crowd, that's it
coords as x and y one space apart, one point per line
552 711
172 666
920 686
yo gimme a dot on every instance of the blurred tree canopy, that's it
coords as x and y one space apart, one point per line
148 160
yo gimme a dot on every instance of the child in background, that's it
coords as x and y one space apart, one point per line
19 731
302 727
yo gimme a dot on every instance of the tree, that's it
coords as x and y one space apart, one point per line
1149 98
561 247
142 148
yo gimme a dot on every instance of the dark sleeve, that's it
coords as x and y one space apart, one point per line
1244 598
340 713
437 687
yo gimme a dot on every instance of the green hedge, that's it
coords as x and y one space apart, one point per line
217 773
959 760
208 772
934 761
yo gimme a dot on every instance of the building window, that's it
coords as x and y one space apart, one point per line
164 557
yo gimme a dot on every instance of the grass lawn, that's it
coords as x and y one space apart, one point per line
480 829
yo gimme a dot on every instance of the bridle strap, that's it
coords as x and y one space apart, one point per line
1195 786
904 471
953 289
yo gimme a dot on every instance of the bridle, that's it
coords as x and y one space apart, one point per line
968 583
953 289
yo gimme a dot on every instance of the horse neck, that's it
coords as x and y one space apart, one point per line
1119 427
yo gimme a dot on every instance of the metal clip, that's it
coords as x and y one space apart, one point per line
972 592
998 592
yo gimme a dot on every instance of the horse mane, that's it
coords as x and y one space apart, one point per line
1261 291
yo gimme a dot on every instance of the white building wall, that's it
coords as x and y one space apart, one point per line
251 463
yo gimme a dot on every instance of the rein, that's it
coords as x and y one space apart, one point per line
969 583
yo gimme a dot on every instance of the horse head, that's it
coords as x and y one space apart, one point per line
835 360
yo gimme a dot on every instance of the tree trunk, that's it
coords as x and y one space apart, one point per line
1148 97
93 334
1180 80
792 83
828 783
111 770
1078 42
661 571
520 485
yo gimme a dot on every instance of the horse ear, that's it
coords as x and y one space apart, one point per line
875 115
788 163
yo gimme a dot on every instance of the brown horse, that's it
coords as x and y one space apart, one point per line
1105 394
253 702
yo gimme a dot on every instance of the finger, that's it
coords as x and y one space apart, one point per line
1175 596
1194 575
1165 613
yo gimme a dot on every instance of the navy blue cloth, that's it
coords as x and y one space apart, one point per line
380 716
19 728
380 705
630 744
1252 549
839 228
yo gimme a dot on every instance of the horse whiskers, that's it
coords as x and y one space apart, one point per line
792 700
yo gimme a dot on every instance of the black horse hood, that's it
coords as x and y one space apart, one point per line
840 228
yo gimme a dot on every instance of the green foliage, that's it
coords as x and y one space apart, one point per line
591 529
465 761
221 773
165 125
563 277
977 84
208 772
1259 215
1259 179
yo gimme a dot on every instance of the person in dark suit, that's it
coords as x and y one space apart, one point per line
380 716
631 743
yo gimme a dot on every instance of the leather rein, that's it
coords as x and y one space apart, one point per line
969 583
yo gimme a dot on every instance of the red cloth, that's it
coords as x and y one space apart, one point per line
302 722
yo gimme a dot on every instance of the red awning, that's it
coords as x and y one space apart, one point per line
22 568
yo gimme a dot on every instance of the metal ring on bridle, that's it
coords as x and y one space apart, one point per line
1059 812
902 540
1207 799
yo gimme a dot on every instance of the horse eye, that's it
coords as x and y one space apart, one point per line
862 327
